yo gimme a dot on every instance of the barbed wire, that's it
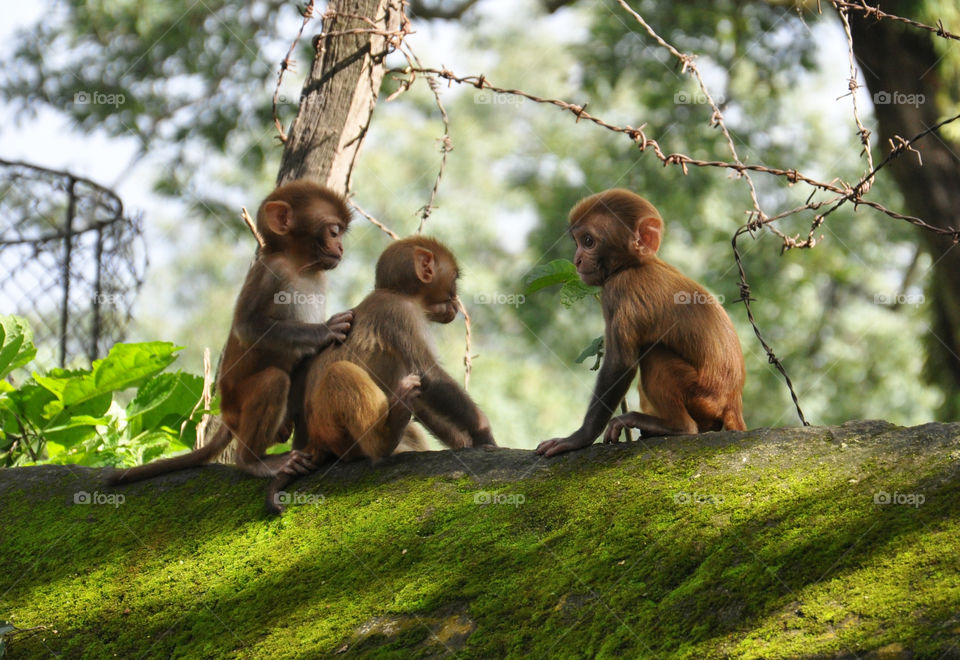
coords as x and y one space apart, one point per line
880 14
287 64
757 219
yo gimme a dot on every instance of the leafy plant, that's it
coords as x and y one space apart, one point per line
572 290
74 416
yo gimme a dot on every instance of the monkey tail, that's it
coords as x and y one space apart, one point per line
282 480
196 457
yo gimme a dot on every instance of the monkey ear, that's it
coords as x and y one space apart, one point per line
424 264
647 235
279 216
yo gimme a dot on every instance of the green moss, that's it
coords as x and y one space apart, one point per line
759 549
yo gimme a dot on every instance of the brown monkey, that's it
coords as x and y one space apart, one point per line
691 365
361 394
276 323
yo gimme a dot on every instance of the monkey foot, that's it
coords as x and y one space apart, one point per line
274 507
298 463
612 435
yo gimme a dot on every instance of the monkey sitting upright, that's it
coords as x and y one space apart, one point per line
657 319
359 396
277 322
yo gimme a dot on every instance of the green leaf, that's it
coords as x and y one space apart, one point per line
156 443
563 272
28 403
16 344
69 437
78 421
594 349
165 399
574 291
558 271
128 365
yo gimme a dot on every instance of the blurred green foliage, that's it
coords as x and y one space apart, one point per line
198 89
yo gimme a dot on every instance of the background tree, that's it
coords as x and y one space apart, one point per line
913 79
199 80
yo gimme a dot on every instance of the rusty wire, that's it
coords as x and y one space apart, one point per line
757 219
876 12
287 64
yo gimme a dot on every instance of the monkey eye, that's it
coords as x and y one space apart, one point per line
587 241
334 230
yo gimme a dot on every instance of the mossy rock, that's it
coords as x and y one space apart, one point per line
772 543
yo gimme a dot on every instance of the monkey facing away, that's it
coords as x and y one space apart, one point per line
360 395
655 318
277 323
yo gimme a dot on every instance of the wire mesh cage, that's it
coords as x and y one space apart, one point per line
71 261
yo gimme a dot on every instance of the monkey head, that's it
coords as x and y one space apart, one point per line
425 269
613 230
305 221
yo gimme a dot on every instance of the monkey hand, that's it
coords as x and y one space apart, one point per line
484 440
483 437
612 435
335 329
549 448
408 389
298 462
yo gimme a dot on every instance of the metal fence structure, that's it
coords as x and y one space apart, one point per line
71 262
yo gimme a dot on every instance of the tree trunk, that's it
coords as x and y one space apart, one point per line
336 104
339 95
904 74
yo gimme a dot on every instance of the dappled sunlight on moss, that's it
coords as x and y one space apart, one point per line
764 544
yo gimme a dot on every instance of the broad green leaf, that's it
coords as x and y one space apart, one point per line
128 365
90 404
563 272
28 403
77 421
16 344
558 271
71 436
168 398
